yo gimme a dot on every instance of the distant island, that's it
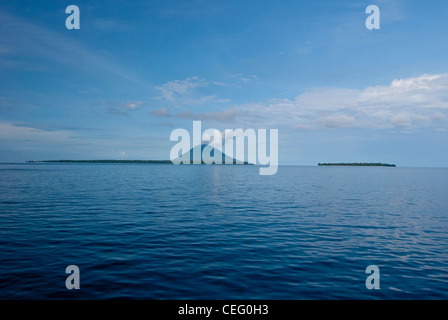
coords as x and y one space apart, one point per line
101 161
214 152
122 161
356 164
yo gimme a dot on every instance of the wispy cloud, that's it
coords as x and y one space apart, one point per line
121 108
221 116
164 112
13 132
178 93
248 78
26 39
7 103
173 89
236 80
28 142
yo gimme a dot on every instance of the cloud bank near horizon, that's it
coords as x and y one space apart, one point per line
408 103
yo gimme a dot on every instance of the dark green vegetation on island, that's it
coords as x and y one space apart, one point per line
225 160
102 161
120 161
356 164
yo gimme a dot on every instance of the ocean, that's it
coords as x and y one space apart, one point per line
160 231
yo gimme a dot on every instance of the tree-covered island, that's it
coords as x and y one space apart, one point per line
356 164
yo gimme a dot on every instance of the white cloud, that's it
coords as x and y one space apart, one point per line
178 93
223 84
173 89
405 103
401 121
132 105
12 132
249 78
337 121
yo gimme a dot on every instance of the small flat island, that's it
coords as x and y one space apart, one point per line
123 161
102 161
356 164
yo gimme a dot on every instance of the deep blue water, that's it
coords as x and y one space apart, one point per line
222 232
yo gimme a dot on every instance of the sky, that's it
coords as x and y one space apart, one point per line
136 70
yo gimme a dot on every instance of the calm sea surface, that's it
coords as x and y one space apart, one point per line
222 232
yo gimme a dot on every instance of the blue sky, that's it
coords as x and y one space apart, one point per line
136 70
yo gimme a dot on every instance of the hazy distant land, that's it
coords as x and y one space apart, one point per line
101 161
226 160
121 161
356 164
